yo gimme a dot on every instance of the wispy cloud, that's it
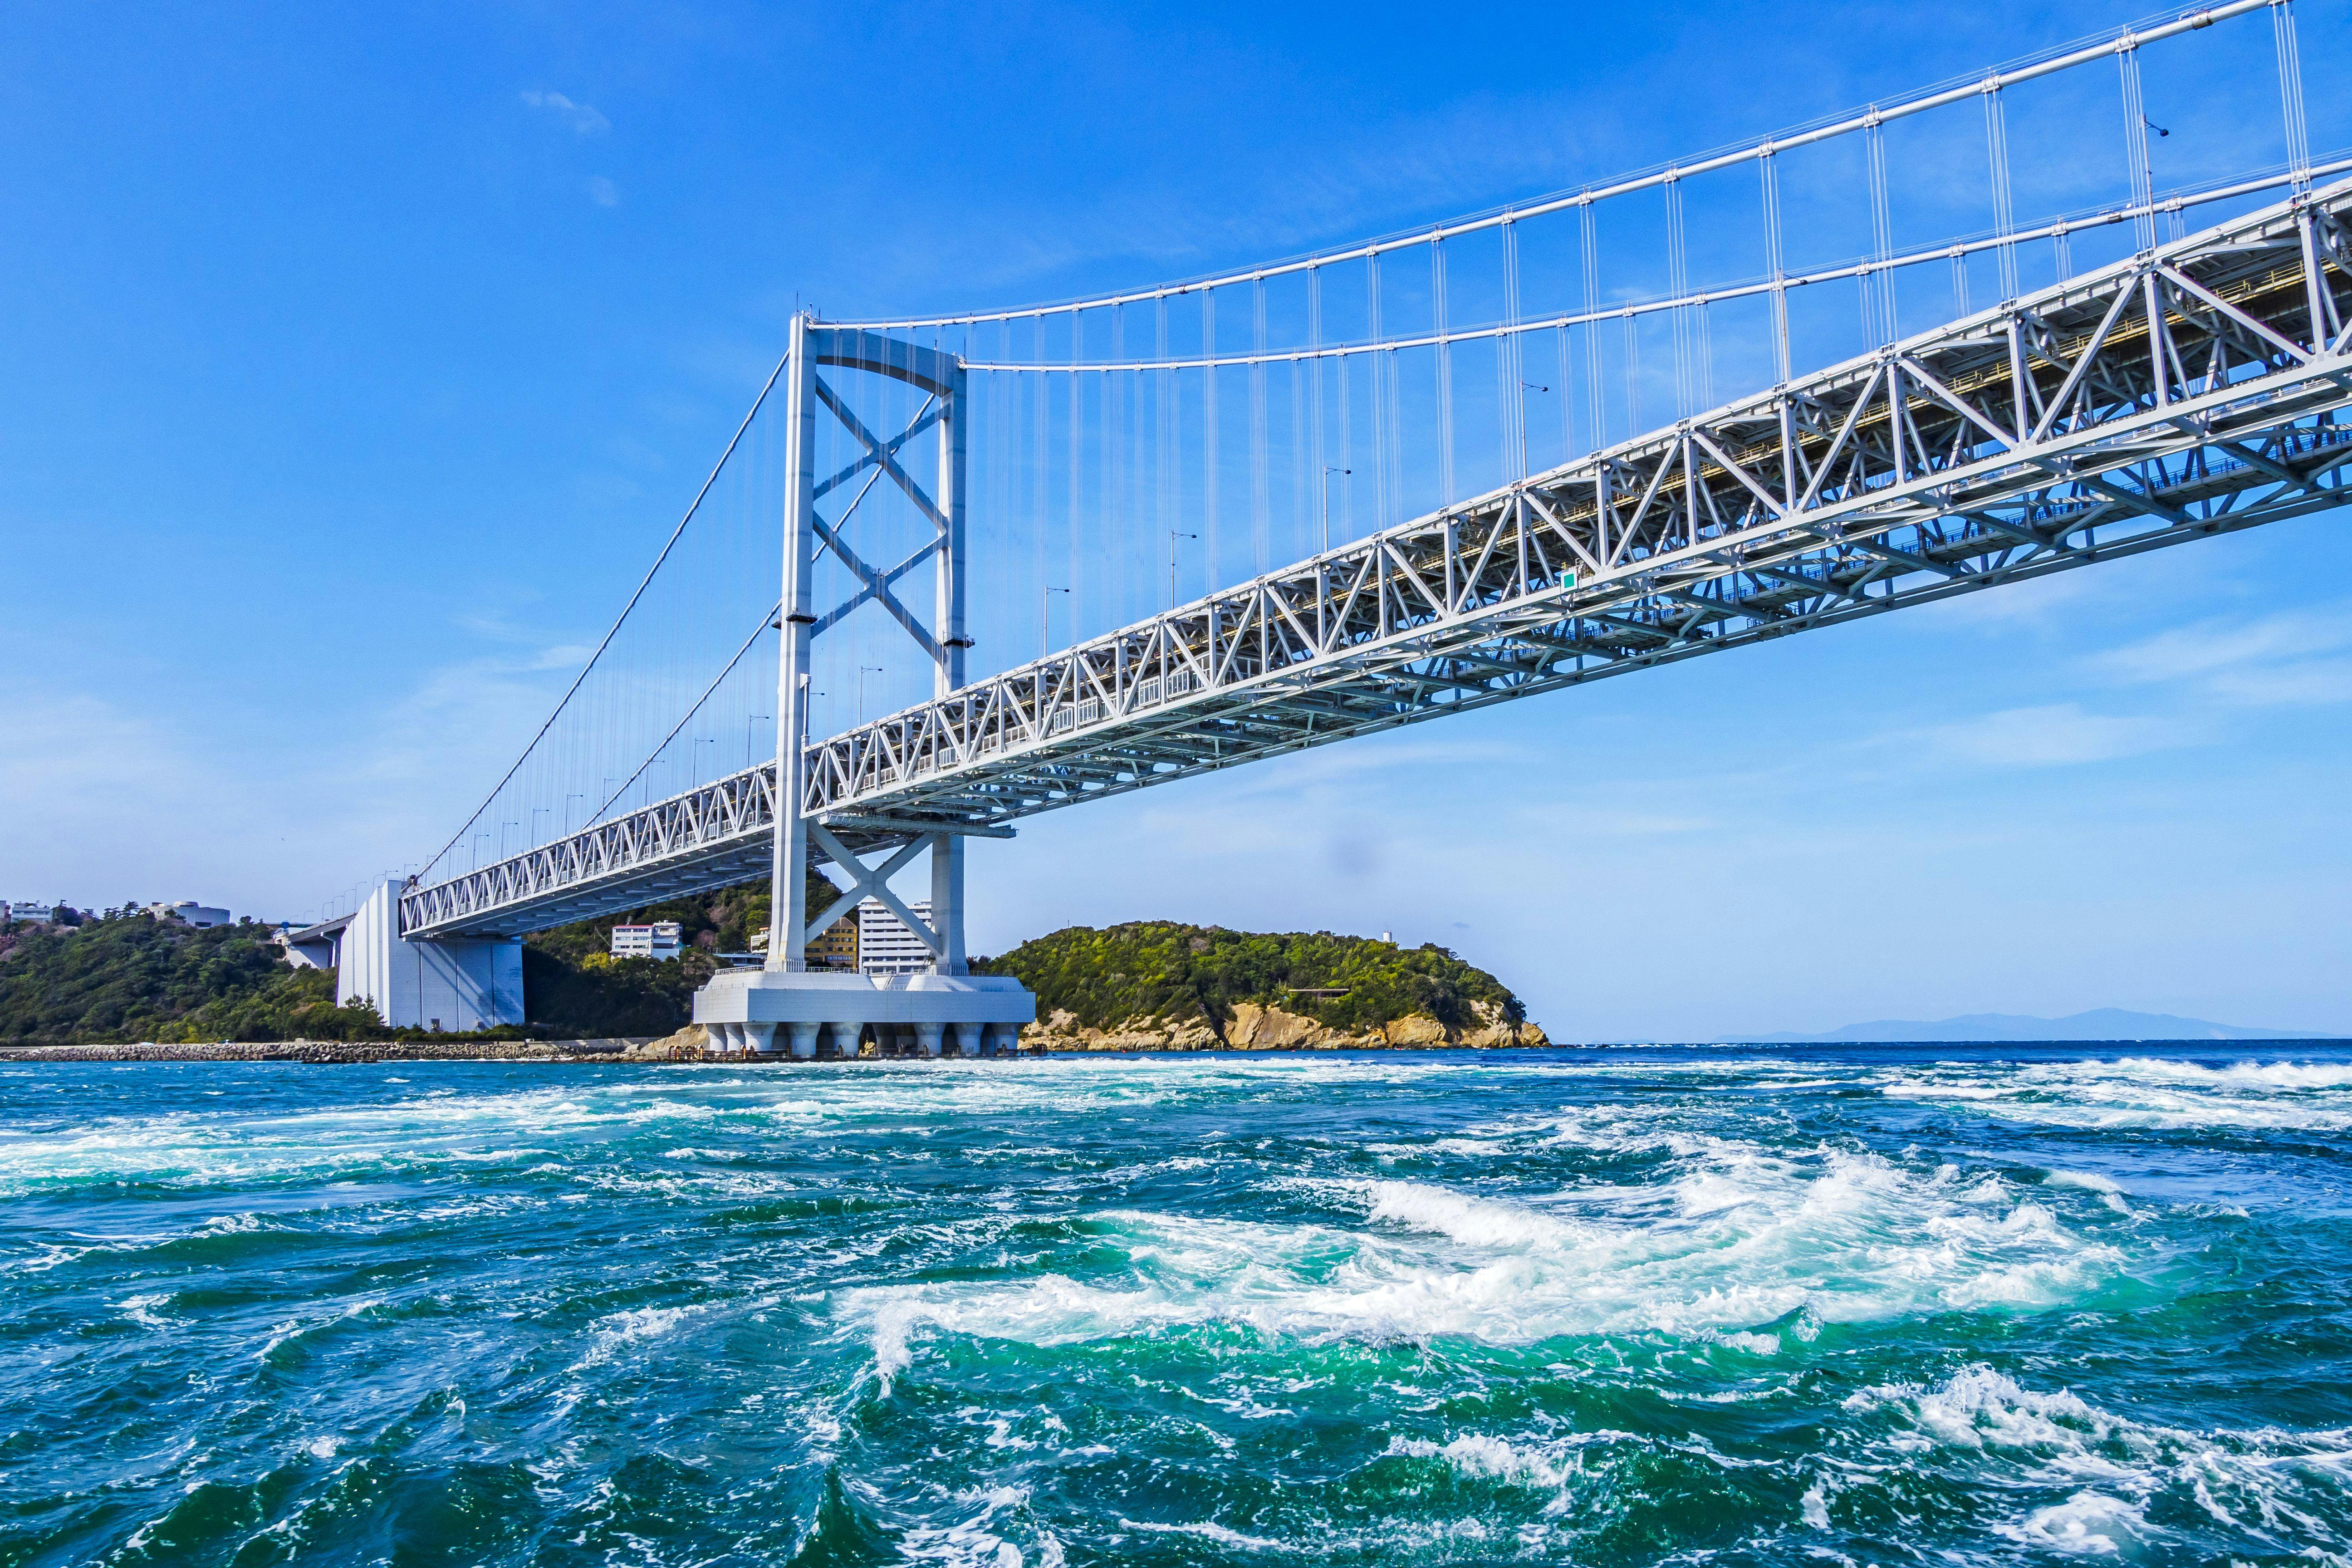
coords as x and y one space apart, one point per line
582 118
604 192
2058 736
2292 657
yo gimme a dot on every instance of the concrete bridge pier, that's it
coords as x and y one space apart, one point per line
910 1014
414 982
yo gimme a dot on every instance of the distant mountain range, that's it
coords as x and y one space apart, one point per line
2099 1024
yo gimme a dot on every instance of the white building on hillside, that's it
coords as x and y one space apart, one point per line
190 912
885 945
659 940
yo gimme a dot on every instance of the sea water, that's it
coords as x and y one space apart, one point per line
1809 1305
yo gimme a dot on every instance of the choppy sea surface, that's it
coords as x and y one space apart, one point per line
1793 1305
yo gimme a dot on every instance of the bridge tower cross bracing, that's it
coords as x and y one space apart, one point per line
940 376
745 1011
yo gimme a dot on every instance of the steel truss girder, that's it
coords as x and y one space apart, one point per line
2191 391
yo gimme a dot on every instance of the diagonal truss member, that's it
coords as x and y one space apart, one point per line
941 638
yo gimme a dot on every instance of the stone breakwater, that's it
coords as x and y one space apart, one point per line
331 1052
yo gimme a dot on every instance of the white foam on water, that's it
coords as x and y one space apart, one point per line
295 1329
1738 1236
1484 1457
975 1543
609 1335
2087 1522
140 1309
1985 1427
2140 1092
1209 1529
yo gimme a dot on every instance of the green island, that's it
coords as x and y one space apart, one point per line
127 976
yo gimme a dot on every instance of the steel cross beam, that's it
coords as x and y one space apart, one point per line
2192 390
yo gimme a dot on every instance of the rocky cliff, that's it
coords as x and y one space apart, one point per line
1259 1028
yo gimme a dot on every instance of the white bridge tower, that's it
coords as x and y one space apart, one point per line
744 1011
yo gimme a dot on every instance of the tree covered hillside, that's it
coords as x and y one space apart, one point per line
571 985
1182 972
134 977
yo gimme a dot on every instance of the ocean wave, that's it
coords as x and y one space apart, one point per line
1740 1238
2154 1093
2117 1484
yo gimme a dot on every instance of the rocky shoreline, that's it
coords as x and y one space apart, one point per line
1253 1028
1256 1028
333 1052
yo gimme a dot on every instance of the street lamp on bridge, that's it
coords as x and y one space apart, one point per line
1328 470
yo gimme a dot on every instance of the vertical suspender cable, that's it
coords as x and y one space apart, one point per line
1444 375
2290 69
1775 263
1344 369
1396 443
1567 403
2136 141
1261 509
1315 341
1042 481
1115 462
1632 375
1678 285
1706 334
1209 575
1379 410
1077 584
2004 212
1299 370
1885 326
1002 388
1163 422
1594 409
1511 380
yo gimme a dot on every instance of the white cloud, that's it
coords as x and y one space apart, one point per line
582 116
2271 659
604 192
2061 734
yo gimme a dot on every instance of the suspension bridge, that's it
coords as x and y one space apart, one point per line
2177 380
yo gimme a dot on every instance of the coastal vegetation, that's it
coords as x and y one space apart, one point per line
1150 982
130 976
572 985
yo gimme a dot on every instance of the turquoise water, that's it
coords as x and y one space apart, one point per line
1792 1306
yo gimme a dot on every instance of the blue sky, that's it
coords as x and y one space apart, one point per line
360 359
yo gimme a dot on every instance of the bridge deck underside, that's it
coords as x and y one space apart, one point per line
2191 392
